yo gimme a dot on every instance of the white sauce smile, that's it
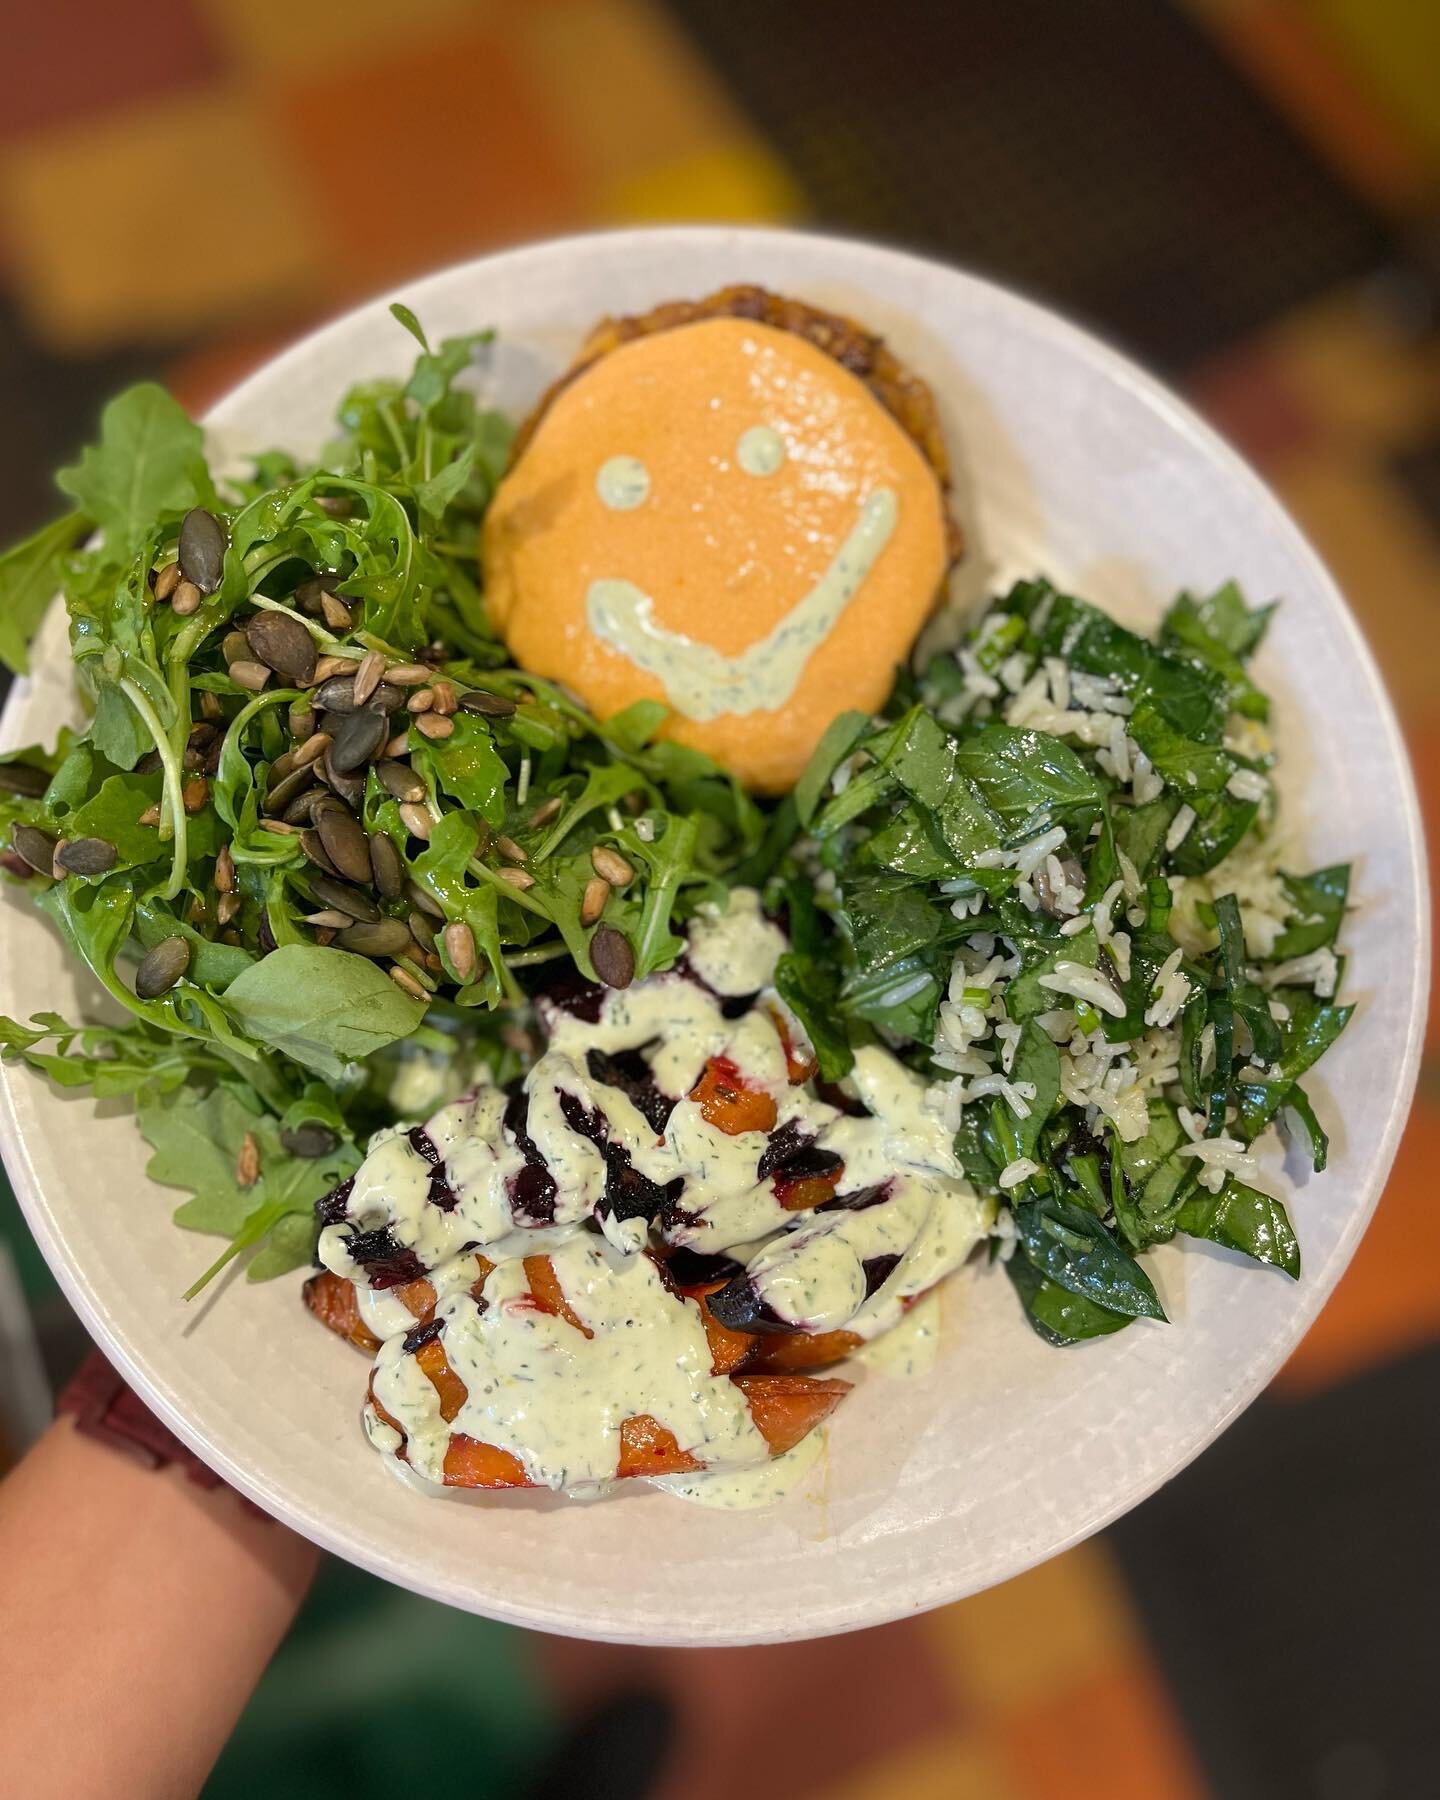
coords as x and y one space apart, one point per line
494 1178
699 680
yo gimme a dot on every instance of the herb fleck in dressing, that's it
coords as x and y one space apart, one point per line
495 1178
699 680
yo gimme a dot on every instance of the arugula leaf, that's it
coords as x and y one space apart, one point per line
30 576
322 1007
840 738
149 464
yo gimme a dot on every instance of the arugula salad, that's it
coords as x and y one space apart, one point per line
327 851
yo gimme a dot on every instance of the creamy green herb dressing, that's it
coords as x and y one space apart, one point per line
699 680
742 1490
760 450
537 1387
623 483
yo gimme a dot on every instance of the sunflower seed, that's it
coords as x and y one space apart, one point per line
367 676
234 647
329 918
510 850
386 937
279 827
309 1140
416 821
150 816
210 706
489 706
433 725
202 549
409 674
247 1162
460 948
252 675
612 956
224 870
421 700
542 815
226 907
333 665
518 878
15 778
408 984
339 896
358 735
334 506
398 746
446 699
426 902
162 968
310 594
345 843
399 780
195 794
186 600
282 644
167 580
86 856
335 613
386 865
592 901
611 865
313 748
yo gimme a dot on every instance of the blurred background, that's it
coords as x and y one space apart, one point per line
1245 194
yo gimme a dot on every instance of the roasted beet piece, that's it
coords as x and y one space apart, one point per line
386 1262
330 1208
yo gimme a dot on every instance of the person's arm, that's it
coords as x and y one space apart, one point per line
139 1611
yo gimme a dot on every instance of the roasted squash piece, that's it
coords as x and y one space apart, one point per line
471 1464
332 1299
783 1355
726 1103
648 1448
446 1383
786 1408
548 1295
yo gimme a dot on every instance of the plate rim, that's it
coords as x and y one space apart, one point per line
860 1612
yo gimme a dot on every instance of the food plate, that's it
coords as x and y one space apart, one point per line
1070 462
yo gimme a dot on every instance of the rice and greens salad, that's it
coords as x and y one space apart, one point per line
321 843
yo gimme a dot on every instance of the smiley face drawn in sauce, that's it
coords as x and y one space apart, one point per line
722 518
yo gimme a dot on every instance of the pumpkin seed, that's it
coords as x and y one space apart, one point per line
422 930
345 843
350 788
386 865
341 897
613 957
399 780
489 706
387 937
288 788
202 549
592 901
460 948
309 1140
87 856
310 845
611 865
15 778
310 594
357 737
426 902
35 846
301 810
162 968
282 644
337 695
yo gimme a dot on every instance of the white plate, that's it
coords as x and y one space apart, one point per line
1073 462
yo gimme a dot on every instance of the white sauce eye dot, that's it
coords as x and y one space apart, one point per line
623 483
760 451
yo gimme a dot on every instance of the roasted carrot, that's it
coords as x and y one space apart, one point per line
783 1355
806 1192
417 1297
447 1384
786 1408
